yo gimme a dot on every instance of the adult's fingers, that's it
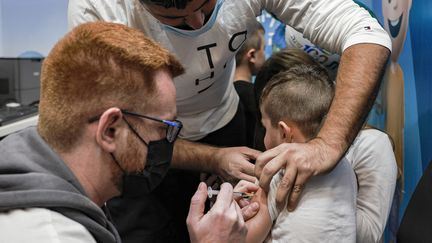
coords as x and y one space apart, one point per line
270 169
244 186
297 189
251 154
247 172
224 198
242 202
239 212
250 210
285 185
248 169
265 157
196 209
247 177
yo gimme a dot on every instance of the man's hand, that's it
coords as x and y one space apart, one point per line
234 163
223 223
231 164
301 161
249 209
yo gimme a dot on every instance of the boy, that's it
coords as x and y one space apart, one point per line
293 106
371 156
249 60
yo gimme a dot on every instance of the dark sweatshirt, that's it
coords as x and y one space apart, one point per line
32 175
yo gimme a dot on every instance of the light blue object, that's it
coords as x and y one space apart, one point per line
31 54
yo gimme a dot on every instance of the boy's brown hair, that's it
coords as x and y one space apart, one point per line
302 94
255 41
96 66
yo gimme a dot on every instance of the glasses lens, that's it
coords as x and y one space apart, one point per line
173 131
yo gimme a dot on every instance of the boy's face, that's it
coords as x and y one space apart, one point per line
272 134
259 55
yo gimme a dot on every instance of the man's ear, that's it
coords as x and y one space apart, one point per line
285 131
109 129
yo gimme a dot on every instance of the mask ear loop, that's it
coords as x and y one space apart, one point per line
139 137
118 164
134 131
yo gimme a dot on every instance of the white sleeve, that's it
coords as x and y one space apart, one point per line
41 225
333 25
374 163
81 11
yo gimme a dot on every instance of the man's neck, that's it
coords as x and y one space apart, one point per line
93 174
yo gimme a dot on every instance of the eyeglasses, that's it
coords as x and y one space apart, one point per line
173 127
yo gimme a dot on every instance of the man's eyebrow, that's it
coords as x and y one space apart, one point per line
178 17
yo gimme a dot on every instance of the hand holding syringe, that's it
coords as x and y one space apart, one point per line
244 195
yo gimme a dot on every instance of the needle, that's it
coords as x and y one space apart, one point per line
244 195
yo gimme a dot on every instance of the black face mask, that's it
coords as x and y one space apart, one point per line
159 155
158 161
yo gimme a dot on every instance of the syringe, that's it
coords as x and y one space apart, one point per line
244 195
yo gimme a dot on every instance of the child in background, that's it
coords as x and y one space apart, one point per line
249 60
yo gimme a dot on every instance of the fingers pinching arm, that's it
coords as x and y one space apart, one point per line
249 209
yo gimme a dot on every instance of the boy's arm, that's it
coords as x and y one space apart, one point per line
260 225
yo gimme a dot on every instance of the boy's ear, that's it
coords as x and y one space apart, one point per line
285 131
109 129
251 55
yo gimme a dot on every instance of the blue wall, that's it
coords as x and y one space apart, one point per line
421 41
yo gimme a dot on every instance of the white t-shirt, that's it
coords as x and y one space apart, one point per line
325 213
206 98
40 225
328 60
374 163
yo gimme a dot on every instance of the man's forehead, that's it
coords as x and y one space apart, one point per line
173 12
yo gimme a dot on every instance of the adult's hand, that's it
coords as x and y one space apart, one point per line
249 209
234 163
301 161
223 223
231 164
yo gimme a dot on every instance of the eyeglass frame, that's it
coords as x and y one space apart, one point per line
172 124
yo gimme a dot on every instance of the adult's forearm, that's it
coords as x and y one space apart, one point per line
357 84
194 156
231 163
